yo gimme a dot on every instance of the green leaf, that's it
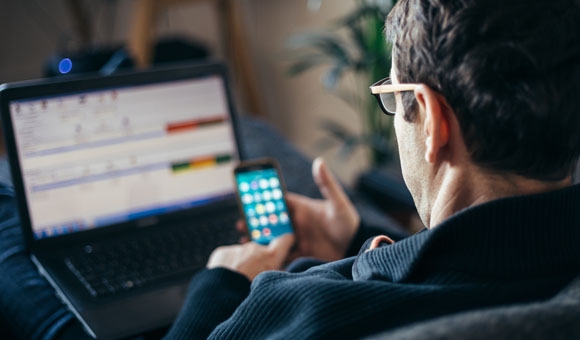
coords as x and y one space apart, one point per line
306 63
324 44
325 143
335 130
349 146
364 52
332 77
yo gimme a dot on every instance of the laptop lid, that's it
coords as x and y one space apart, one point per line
99 155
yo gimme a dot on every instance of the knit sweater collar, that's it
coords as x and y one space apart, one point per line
515 238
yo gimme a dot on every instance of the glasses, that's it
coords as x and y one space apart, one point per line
384 90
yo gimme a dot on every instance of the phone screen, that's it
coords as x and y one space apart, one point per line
261 194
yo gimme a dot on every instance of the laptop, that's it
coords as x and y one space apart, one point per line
124 186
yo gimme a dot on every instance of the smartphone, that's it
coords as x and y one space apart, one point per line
261 194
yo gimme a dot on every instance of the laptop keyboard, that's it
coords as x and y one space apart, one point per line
124 265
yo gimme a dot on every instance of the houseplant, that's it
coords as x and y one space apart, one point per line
355 54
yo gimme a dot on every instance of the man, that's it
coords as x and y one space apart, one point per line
487 120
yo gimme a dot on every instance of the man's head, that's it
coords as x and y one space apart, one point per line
507 70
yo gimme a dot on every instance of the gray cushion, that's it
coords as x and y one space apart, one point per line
556 318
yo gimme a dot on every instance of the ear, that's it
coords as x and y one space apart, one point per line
435 121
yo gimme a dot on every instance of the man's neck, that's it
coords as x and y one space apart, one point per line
461 189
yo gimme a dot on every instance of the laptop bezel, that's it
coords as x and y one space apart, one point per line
54 87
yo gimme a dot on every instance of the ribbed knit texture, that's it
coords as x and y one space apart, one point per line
507 251
213 296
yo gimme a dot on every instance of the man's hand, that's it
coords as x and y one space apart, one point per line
251 259
324 228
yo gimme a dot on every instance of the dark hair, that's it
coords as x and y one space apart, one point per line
509 69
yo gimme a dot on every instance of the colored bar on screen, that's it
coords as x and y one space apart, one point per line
223 159
203 162
200 162
193 124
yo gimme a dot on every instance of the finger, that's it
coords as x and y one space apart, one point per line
241 226
295 201
281 246
299 208
327 183
292 200
243 230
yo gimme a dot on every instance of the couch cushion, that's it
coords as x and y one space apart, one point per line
557 318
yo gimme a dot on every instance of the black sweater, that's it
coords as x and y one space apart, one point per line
507 251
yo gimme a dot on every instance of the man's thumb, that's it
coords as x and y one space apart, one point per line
282 244
327 183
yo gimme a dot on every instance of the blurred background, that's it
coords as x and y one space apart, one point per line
260 39
302 66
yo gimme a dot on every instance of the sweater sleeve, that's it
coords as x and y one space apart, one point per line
213 296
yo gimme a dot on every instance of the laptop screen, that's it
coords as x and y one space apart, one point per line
94 159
